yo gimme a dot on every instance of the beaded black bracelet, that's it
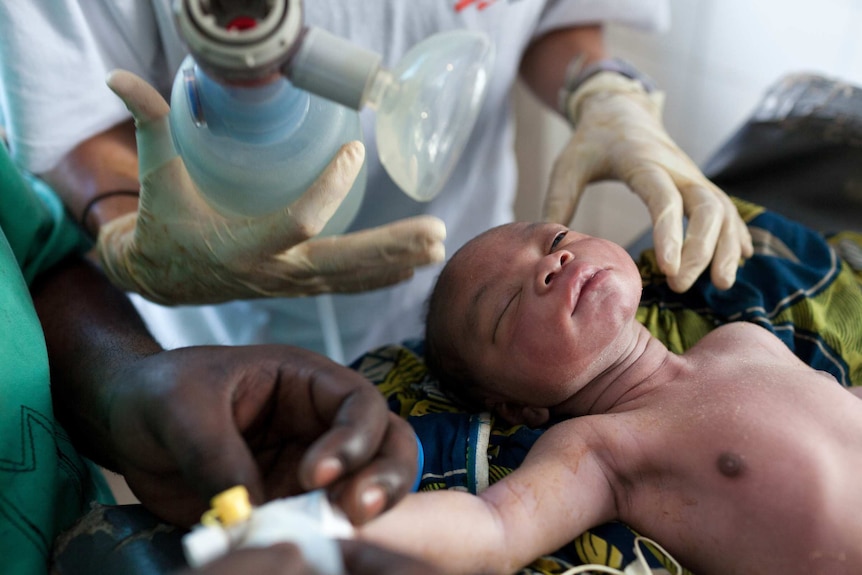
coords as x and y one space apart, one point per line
96 199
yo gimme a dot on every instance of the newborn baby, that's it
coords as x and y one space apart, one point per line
735 456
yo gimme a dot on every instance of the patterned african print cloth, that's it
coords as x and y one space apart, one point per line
803 286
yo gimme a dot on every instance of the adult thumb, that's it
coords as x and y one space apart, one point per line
150 111
142 100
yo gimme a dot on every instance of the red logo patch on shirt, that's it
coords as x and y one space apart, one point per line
479 4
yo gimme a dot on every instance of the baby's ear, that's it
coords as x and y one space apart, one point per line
520 414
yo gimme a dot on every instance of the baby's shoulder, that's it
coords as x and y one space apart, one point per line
743 339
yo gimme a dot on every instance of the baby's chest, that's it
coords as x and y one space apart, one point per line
748 445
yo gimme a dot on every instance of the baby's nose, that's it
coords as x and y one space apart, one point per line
551 265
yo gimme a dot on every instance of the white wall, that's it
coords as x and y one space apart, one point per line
714 64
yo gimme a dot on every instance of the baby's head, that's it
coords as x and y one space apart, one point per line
525 314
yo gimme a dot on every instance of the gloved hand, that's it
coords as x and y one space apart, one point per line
618 134
179 250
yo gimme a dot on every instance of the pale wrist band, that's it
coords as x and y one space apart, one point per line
604 82
578 72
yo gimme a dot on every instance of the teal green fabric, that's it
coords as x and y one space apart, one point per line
44 483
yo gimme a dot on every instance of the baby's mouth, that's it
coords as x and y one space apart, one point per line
582 282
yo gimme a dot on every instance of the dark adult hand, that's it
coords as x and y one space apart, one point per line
189 423
285 559
280 559
362 558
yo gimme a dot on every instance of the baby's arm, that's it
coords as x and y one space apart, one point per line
558 493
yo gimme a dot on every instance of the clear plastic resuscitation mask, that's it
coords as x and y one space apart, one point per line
426 106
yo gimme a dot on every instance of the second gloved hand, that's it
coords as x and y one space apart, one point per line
179 250
618 134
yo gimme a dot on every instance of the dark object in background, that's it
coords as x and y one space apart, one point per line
799 154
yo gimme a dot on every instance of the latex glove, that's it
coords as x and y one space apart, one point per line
179 250
618 134
186 424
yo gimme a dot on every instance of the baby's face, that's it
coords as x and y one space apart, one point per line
542 309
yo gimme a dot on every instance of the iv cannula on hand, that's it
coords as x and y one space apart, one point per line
425 106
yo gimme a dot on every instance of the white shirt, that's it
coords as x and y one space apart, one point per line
56 54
